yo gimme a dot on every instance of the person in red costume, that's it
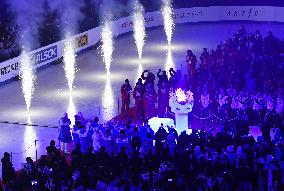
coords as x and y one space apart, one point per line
150 98
138 97
191 62
125 96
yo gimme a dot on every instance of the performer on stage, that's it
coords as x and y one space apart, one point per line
270 102
243 99
258 102
204 59
163 100
149 78
223 103
279 103
233 95
150 98
125 96
162 76
191 62
205 101
64 134
138 97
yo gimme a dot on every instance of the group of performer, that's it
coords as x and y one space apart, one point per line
145 96
243 75
234 80
252 106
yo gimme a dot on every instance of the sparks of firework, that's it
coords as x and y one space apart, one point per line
28 78
69 56
71 110
139 72
169 24
139 28
169 62
108 101
107 46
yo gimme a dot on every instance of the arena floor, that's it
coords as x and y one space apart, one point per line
95 95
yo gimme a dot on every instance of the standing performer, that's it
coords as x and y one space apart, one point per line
279 103
138 97
150 98
204 57
223 101
162 76
125 96
163 100
191 62
64 133
257 106
243 99
205 101
205 105
269 102
149 79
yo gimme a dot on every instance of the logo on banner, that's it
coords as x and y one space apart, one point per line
7 69
82 41
243 13
45 55
130 23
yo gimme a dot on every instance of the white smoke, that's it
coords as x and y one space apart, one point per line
28 17
70 14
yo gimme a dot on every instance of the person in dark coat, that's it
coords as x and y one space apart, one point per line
149 78
160 137
125 96
8 171
138 97
162 76
150 98
163 100
65 134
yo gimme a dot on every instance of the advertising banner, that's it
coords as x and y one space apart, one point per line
45 55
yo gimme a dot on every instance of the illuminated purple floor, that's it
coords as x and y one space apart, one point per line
94 94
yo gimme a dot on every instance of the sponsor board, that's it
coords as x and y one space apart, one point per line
82 40
13 67
247 13
130 23
45 55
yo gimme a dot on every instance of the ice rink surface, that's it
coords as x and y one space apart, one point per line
94 94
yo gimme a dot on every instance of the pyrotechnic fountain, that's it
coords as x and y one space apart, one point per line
69 57
69 61
139 33
108 101
28 78
169 62
107 51
107 46
139 28
169 24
